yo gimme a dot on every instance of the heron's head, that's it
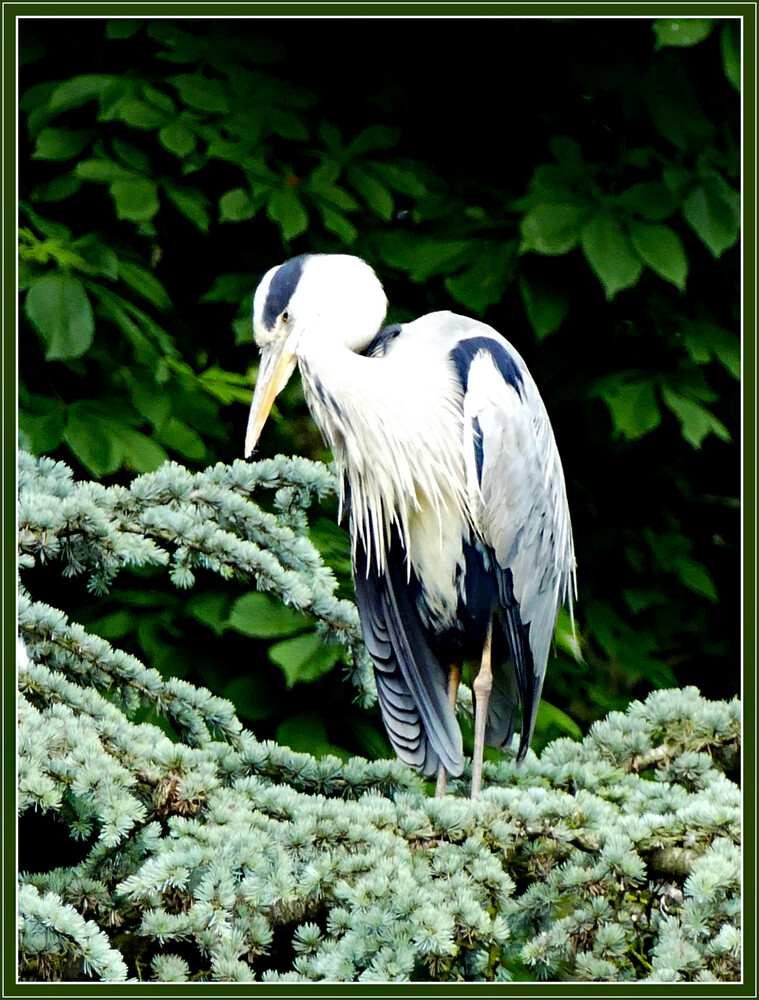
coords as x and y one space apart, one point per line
309 305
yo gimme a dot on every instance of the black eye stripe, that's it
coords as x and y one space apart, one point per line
281 289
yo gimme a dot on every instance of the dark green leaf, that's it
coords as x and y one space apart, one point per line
42 422
137 451
333 543
144 282
60 188
179 437
696 422
201 92
641 157
552 184
26 274
705 340
113 626
330 135
303 658
141 114
696 577
260 617
122 89
212 609
553 228
254 696
243 330
61 143
673 105
608 250
286 124
337 223
677 180
177 139
551 717
133 157
160 100
136 325
632 405
122 28
567 152
111 307
331 192
90 440
286 209
639 599
37 96
102 170
651 199
397 178
374 193
713 212
229 288
227 387
681 31
546 307
691 381
374 137
191 202
47 227
327 172
77 91
236 206
484 283
135 198
422 258
58 306
150 401
305 733
97 256
730 44
662 250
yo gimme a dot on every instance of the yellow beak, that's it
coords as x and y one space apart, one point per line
277 365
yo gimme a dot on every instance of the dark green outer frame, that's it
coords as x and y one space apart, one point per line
747 12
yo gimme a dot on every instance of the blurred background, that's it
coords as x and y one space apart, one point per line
574 183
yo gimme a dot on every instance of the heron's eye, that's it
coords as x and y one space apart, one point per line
285 316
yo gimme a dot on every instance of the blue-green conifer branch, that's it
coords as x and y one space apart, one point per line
217 857
190 521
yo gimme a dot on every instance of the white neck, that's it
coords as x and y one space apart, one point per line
390 435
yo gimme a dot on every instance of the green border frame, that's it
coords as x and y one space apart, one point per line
747 11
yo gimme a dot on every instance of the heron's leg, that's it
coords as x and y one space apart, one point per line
481 687
454 678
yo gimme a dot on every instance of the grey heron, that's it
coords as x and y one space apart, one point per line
461 539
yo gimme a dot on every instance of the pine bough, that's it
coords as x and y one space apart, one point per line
221 858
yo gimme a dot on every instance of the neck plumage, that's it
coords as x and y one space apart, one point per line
393 439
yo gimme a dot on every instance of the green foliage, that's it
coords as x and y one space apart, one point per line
592 215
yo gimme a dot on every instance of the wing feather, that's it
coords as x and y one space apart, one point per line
515 475
411 682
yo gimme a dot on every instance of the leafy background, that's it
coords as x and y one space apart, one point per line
574 183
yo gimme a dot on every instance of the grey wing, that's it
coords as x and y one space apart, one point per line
411 682
515 477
